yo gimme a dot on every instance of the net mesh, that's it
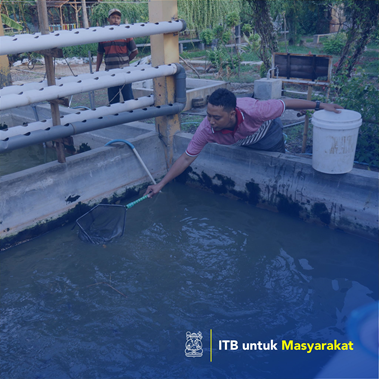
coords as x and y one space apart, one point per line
102 223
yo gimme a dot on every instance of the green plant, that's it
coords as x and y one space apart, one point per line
218 31
226 36
80 50
247 29
368 144
335 44
220 58
232 19
253 42
262 71
11 23
84 147
358 94
207 36
132 11
202 14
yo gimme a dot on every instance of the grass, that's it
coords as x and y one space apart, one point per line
194 53
292 49
189 123
294 138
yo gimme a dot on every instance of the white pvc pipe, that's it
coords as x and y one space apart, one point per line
79 116
33 42
80 86
16 89
143 164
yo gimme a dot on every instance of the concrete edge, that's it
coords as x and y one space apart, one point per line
287 183
52 194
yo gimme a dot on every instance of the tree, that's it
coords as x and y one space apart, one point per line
11 23
262 22
303 17
362 16
203 14
133 12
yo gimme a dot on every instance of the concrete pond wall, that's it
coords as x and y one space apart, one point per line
38 199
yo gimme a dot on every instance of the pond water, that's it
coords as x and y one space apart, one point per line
188 261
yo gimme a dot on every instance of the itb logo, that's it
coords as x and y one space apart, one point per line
194 347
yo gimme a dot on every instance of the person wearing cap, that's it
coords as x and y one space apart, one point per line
118 54
244 121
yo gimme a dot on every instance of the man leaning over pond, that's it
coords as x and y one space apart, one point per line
244 121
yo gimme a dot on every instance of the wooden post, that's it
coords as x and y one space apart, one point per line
305 133
165 50
50 73
85 16
5 75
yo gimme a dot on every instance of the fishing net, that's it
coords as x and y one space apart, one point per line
102 223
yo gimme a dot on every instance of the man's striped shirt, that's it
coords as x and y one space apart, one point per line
116 52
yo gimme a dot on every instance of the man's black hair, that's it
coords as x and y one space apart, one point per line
224 98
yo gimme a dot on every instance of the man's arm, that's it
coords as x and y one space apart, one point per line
306 104
99 59
177 168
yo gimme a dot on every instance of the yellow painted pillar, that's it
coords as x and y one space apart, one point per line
5 75
165 50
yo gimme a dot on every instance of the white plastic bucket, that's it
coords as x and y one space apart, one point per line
335 140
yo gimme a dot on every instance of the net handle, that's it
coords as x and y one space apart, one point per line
136 201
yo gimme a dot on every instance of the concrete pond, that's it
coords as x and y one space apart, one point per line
279 182
269 250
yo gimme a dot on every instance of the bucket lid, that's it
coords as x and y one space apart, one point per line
347 119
